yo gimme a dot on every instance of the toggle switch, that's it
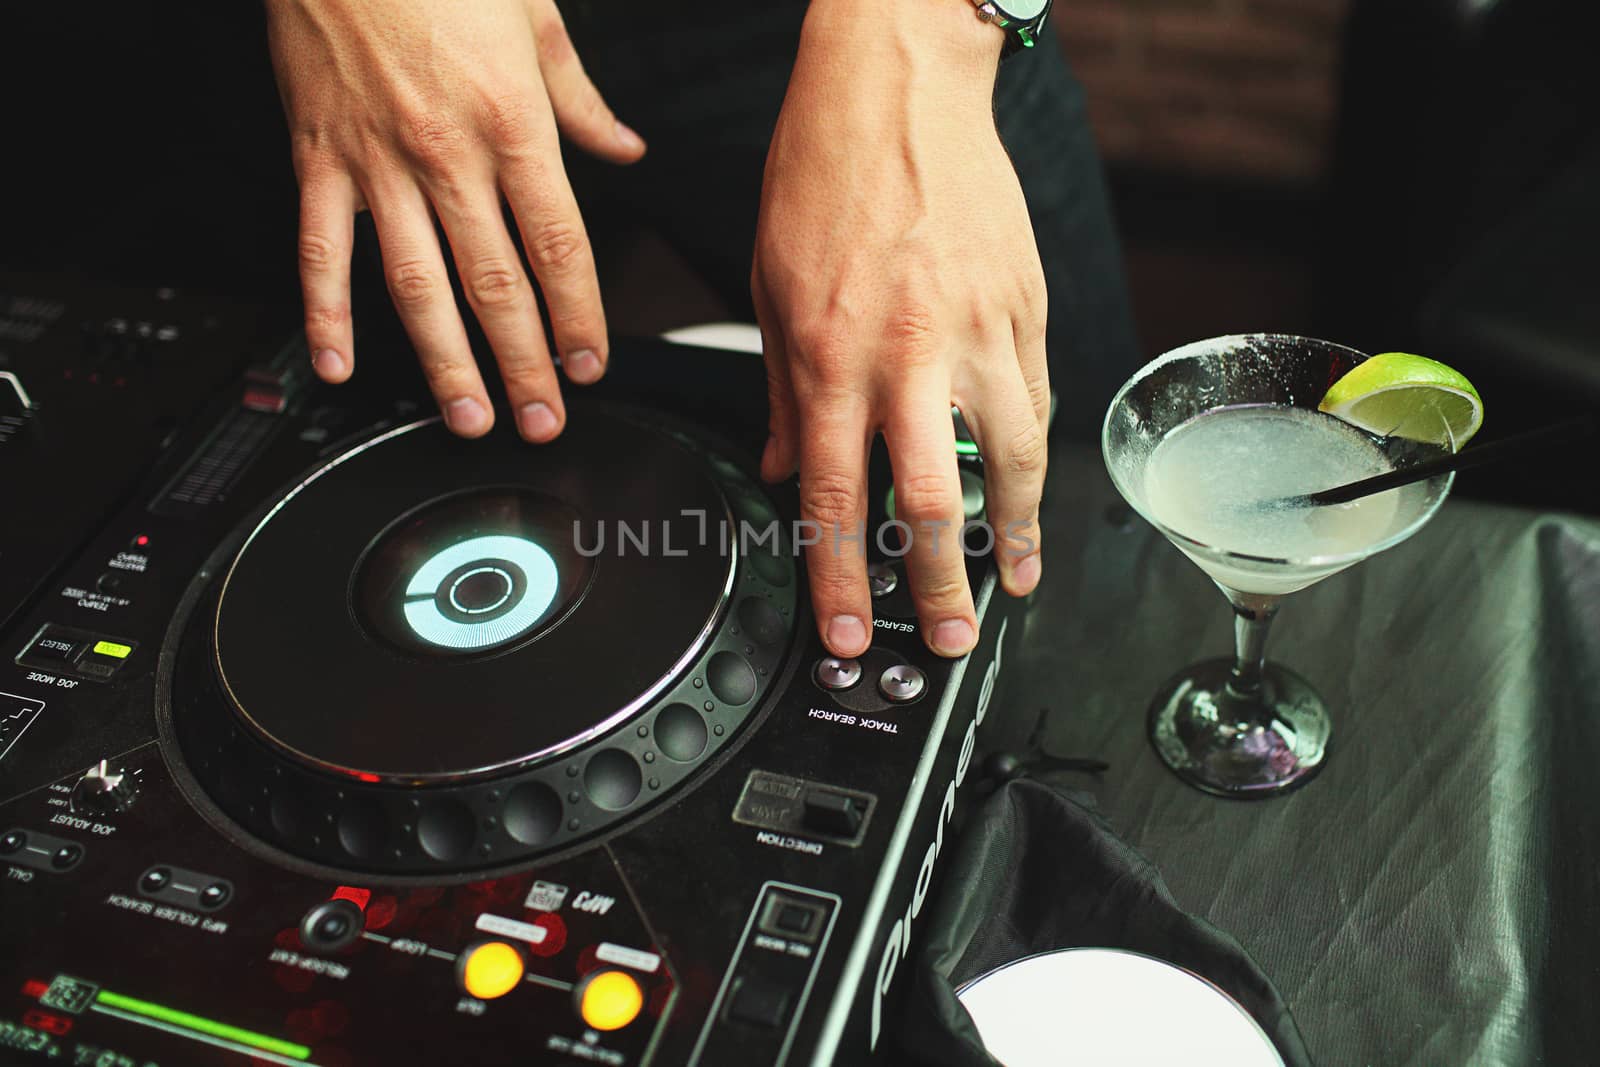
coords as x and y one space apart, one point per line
827 812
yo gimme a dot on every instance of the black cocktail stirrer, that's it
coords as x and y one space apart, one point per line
1489 452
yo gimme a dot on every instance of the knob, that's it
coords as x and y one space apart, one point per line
331 925
105 789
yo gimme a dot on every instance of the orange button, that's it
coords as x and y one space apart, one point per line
610 1000
491 969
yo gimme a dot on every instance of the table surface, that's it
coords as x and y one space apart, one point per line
1431 897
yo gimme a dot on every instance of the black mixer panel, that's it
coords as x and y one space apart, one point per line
93 383
330 967
327 738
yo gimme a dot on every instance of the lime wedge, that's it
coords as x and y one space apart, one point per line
1401 395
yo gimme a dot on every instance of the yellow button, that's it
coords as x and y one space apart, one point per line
491 970
610 1000
111 648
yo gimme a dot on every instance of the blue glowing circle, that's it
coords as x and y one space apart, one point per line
481 609
510 618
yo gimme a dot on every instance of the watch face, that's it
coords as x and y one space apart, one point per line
1024 11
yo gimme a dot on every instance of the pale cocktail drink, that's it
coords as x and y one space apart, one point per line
1227 478
1218 444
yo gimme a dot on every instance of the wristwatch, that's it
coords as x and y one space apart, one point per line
1022 20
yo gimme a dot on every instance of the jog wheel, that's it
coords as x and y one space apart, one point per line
437 655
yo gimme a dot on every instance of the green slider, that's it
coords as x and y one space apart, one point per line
203 1025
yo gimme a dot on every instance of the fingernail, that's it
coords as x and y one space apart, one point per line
846 635
628 139
1026 573
327 361
465 416
538 422
953 637
583 366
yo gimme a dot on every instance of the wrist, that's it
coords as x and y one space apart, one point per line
944 37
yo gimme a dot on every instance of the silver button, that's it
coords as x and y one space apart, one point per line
971 493
882 578
836 673
902 683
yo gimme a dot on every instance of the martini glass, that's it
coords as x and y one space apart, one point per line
1206 443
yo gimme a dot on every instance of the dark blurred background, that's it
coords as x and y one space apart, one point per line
1417 175
1393 174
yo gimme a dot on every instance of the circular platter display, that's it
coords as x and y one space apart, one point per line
436 655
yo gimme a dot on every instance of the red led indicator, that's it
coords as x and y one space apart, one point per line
292 979
381 913
555 939
142 540
358 897
34 988
42 1020
366 776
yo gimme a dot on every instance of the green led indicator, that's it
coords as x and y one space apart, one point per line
202 1025
112 648
966 448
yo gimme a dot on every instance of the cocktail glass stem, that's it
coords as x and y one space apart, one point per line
1252 619
1241 727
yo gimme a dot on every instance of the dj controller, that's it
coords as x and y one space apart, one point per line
329 738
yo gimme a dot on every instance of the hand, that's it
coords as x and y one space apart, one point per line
895 275
437 108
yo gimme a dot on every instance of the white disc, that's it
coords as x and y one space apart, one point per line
1110 1007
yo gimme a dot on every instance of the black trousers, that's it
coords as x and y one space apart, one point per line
706 96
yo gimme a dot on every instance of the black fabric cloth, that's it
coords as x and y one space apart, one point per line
1037 870
704 88
1430 898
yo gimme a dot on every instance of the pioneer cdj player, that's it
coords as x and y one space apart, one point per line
329 738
